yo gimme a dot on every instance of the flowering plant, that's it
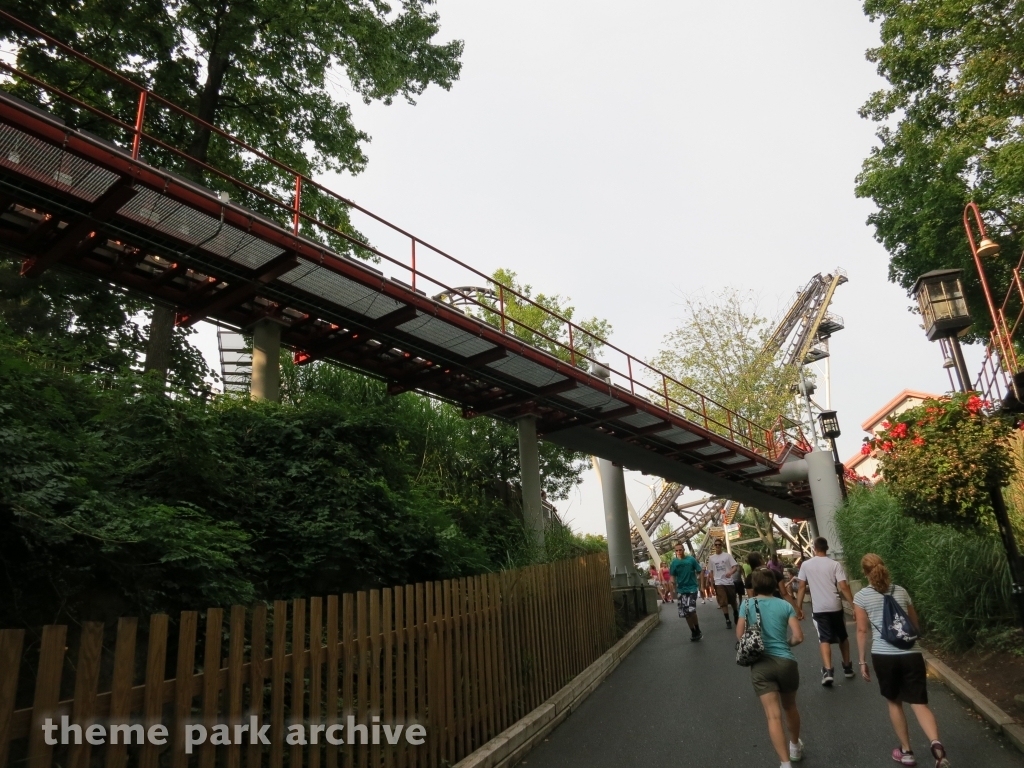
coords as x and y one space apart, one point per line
941 458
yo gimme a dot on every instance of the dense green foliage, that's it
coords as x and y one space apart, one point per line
117 500
950 132
72 321
941 459
959 580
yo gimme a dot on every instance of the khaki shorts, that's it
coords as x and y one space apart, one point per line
726 595
774 674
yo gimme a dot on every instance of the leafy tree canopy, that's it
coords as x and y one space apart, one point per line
77 324
949 132
275 73
719 350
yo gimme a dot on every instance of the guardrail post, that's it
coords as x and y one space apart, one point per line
501 305
298 204
572 349
413 281
140 115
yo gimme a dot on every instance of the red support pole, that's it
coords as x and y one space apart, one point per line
629 367
664 387
298 204
1006 352
139 117
414 263
501 305
572 349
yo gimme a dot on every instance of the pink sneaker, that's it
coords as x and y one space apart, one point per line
939 753
904 758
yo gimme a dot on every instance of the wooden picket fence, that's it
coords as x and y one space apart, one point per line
464 658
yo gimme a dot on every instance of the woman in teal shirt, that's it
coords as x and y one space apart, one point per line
776 676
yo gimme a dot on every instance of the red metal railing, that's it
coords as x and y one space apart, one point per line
628 372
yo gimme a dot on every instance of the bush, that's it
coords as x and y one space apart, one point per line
959 580
117 500
942 459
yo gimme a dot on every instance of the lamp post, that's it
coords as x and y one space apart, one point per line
940 297
829 423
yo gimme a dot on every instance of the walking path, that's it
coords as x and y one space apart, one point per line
676 703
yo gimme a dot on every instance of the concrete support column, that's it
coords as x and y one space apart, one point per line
616 519
827 496
266 361
529 468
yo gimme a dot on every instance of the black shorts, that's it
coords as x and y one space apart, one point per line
831 627
901 676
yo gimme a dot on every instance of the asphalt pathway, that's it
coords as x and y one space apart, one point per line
674 703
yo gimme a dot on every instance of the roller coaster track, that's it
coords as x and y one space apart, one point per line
115 210
706 510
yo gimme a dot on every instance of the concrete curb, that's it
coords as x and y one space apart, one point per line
512 744
979 703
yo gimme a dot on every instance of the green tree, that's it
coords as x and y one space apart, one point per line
73 322
718 350
536 320
267 71
949 132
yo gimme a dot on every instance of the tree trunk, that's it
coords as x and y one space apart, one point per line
209 101
161 328
158 351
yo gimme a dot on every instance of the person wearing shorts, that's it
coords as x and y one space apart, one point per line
686 571
900 671
776 675
826 579
667 583
722 567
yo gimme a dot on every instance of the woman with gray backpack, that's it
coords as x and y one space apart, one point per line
885 611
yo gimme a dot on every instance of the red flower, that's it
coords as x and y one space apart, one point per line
887 446
918 441
886 425
866 449
974 404
900 430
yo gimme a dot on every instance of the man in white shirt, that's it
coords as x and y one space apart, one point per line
721 567
827 580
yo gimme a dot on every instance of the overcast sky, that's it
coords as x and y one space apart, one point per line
628 154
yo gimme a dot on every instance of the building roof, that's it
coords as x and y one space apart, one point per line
856 460
893 404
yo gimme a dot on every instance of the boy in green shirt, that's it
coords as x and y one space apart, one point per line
685 569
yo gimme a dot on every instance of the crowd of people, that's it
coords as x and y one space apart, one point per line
772 598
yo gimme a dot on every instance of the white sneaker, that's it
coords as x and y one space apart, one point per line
796 751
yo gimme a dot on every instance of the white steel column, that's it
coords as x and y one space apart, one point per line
827 497
616 519
266 361
529 468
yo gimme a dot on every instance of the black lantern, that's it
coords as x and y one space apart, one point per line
830 429
940 296
829 424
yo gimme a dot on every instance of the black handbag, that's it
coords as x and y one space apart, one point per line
750 647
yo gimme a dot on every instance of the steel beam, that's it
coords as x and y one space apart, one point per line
239 293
